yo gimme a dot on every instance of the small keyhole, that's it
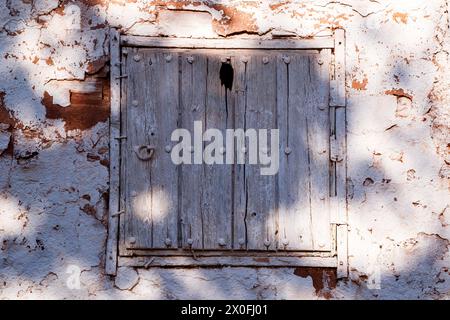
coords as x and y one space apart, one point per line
226 75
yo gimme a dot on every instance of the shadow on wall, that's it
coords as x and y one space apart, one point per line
53 207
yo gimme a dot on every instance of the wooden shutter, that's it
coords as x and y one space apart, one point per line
227 207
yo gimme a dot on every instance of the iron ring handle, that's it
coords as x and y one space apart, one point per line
144 152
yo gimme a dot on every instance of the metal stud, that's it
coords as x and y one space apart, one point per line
168 58
321 245
191 149
135 103
244 150
132 240
190 241
124 52
168 148
222 150
286 59
190 59
287 150
265 60
244 59
285 242
266 243
168 242
137 58
264 150
222 242
320 62
241 242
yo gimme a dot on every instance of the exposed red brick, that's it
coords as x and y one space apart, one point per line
49 61
5 115
262 259
234 21
7 118
324 279
360 85
400 17
399 93
85 110
96 65
278 5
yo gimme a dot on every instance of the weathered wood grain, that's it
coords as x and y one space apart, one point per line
316 43
193 93
261 189
318 140
240 64
164 174
114 156
294 177
228 261
217 188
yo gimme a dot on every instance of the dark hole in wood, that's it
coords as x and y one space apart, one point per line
226 75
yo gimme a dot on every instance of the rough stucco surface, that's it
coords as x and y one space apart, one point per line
54 146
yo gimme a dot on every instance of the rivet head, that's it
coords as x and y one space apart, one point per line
285 242
244 59
137 58
168 58
241 241
287 150
190 241
190 59
341 263
320 62
125 52
168 242
286 59
191 149
221 242
266 243
132 240
222 150
321 245
244 150
265 60
135 103
264 150
168 148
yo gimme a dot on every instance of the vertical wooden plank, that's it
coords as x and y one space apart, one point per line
114 155
337 90
138 188
123 154
295 231
193 93
261 190
217 194
164 173
318 143
341 193
240 187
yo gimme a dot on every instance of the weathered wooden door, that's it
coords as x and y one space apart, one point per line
228 207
